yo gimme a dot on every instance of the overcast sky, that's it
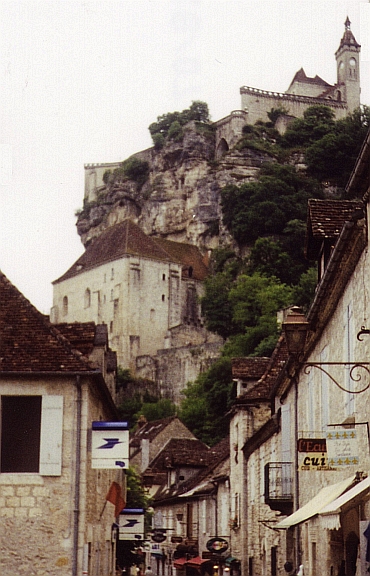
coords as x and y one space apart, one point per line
81 81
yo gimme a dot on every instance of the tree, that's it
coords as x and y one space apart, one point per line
265 207
316 122
169 125
204 408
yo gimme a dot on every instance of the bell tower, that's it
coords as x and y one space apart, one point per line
348 69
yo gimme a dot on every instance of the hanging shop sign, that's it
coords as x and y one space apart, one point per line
110 445
159 535
342 447
312 454
131 524
217 545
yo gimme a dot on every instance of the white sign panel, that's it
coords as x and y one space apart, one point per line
131 526
342 449
110 445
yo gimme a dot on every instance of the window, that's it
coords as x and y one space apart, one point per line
87 301
163 277
31 434
163 297
65 305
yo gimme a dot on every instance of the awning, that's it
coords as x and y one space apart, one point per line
179 562
330 513
314 506
196 562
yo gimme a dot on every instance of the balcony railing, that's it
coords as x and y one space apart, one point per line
279 486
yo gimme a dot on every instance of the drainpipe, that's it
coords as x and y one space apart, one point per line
296 491
76 512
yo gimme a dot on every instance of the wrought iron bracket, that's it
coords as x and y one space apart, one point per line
362 331
358 371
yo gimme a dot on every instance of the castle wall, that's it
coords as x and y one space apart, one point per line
257 103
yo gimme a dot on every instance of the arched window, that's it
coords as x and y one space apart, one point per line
87 298
65 305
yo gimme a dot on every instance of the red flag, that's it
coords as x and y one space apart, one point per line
115 497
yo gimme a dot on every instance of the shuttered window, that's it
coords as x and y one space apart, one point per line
31 434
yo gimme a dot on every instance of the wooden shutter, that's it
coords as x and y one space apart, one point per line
51 436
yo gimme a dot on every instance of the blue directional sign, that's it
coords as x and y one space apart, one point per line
110 445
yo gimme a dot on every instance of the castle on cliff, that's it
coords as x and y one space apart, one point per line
343 97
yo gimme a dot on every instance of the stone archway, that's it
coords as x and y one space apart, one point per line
222 148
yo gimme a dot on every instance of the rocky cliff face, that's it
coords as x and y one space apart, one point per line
181 198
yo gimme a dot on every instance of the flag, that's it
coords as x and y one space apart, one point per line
115 497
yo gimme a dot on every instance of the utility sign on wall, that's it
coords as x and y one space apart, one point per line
110 445
131 524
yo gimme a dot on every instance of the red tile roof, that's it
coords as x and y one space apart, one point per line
126 238
249 368
263 388
325 219
28 342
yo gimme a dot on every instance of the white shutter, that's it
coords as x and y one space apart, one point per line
51 436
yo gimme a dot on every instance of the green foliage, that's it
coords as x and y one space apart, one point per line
266 206
304 292
207 400
158 409
169 125
216 307
175 131
317 121
275 113
136 169
136 497
333 156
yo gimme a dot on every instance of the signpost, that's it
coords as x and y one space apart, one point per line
110 445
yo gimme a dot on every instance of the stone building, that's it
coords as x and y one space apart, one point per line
343 97
325 389
54 514
145 290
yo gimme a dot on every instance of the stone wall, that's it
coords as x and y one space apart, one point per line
257 103
173 368
38 512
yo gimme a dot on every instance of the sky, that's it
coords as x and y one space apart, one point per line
81 81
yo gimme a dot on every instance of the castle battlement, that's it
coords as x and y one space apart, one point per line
283 96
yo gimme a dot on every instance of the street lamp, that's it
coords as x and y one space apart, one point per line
295 328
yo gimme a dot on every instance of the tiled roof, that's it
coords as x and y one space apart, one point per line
249 368
28 342
81 335
263 388
182 452
300 76
348 38
188 255
126 238
325 219
201 482
150 430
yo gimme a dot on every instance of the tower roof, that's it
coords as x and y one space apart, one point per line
348 38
